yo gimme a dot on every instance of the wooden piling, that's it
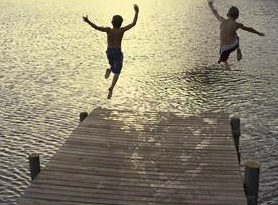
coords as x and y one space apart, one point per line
82 116
34 163
251 182
235 124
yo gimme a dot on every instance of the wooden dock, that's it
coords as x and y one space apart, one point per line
125 158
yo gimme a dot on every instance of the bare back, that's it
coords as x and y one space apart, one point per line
228 29
114 37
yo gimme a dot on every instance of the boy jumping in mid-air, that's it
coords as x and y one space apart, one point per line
228 37
114 41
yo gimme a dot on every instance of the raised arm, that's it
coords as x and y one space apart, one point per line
136 9
249 29
103 29
214 11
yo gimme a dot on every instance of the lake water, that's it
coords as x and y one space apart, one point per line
52 67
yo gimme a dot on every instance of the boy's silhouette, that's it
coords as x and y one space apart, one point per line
228 37
114 41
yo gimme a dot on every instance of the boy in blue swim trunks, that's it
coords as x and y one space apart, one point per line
114 41
229 41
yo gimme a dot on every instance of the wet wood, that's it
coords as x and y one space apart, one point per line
124 158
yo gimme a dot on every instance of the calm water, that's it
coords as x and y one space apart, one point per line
52 67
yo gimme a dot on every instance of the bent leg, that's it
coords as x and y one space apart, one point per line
226 50
114 81
107 73
239 54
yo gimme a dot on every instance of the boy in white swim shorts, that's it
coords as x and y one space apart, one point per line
229 40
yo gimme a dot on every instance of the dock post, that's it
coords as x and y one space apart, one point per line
235 124
35 167
251 182
82 116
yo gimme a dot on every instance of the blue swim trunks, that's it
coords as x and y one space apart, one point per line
115 58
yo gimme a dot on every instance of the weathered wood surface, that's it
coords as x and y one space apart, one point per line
123 158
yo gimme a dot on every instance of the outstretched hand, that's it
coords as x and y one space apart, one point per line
85 18
136 8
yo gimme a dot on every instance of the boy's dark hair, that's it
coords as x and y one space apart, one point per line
233 12
117 21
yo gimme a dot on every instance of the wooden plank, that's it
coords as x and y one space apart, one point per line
182 161
169 138
105 178
149 130
148 192
185 155
154 141
91 196
151 147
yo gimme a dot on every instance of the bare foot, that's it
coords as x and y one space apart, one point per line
227 65
107 73
110 92
238 54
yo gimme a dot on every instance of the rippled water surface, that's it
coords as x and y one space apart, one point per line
52 67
